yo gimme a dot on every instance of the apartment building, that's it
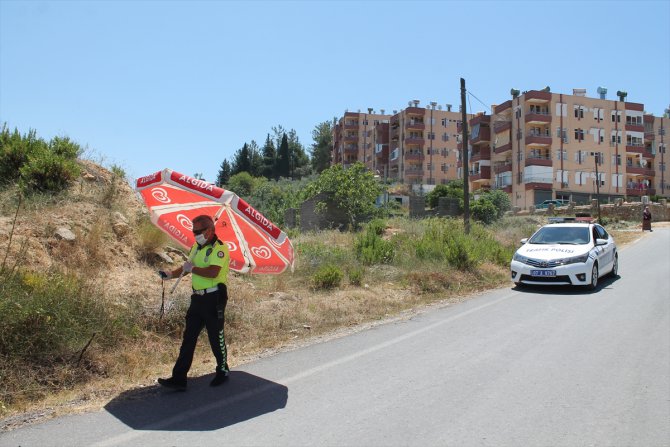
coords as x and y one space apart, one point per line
362 137
536 146
416 146
552 145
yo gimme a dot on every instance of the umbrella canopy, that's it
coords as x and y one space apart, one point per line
256 245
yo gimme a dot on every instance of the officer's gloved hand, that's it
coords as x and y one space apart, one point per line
164 275
187 267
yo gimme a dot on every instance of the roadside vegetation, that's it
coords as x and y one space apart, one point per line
81 318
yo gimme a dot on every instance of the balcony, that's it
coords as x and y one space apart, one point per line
538 161
414 173
539 185
506 167
415 111
484 173
507 189
483 154
538 118
351 149
635 106
351 139
640 170
538 139
636 148
537 96
502 126
502 107
484 136
414 141
504 148
634 127
649 136
413 156
640 192
415 126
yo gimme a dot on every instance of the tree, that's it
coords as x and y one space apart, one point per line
242 160
298 161
283 159
484 210
255 159
500 200
353 190
224 174
321 148
453 189
243 184
269 159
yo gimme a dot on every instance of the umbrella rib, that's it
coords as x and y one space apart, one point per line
162 209
244 247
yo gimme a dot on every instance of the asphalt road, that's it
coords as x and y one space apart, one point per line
529 367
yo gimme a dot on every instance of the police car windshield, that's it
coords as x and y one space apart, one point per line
561 235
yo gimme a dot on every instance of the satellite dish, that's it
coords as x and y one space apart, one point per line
643 163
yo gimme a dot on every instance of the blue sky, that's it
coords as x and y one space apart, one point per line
155 84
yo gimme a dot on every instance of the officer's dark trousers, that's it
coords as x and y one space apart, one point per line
203 313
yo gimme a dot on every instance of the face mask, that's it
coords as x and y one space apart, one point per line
201 239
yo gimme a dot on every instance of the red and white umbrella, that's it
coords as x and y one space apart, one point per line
256 245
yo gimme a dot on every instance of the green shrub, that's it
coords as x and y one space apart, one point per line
484 211
371 249
48 172
15 150
64 147
327 277
46 315
376 226
355 275
118 171
315 254
150 238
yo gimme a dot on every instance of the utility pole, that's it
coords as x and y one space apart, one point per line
464 158
597 159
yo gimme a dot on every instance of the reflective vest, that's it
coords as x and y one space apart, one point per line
210 254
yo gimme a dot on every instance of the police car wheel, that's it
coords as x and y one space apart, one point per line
594 277
615 267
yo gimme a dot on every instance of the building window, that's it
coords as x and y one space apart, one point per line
579 112
579 134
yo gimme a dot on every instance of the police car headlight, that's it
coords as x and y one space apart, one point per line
574 260
518 257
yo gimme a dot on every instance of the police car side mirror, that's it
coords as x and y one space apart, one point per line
524 240
601 241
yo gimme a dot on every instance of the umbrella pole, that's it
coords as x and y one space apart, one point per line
177 283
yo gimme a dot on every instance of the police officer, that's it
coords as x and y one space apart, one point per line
208 263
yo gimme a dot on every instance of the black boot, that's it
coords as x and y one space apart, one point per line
172 383
219 378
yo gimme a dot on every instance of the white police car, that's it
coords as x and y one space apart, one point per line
568 253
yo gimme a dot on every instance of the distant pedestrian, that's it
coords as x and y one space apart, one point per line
646 219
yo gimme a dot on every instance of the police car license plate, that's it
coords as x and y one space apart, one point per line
543 273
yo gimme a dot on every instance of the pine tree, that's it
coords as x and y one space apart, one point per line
242 161
322 146
224 174
269 159
283 159
255 160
